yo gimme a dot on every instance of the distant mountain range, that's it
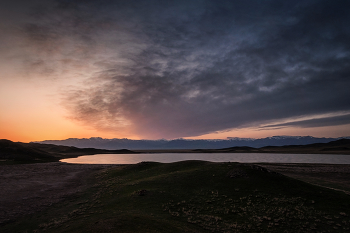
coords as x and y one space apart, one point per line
115 143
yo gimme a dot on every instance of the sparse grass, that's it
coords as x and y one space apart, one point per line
335 176
194 196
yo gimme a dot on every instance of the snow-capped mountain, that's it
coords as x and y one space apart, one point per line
124 143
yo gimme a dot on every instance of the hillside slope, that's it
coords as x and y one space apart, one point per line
22 152
341 146
36 152
194 196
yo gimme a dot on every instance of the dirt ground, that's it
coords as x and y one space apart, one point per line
334 176
27 188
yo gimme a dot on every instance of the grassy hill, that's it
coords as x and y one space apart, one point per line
18 152
193 196
341 146
13 151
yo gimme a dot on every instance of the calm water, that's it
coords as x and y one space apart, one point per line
213 157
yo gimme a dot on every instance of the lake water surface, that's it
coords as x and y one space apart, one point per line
213 157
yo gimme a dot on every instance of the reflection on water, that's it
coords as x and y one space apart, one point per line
213 157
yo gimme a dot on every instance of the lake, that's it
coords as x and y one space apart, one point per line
213 157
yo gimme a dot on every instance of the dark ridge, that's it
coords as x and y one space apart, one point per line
68 151
336 149
21 152
227 150
239 148
339 142
341 146
36 152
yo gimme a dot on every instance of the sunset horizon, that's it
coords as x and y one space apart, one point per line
162 69
175 116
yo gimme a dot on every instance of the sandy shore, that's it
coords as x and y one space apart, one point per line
27 188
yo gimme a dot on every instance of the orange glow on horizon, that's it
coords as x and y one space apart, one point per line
33 113
38 130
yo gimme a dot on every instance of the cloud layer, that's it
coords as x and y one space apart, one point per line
167 69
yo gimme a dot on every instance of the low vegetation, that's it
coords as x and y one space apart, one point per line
193 196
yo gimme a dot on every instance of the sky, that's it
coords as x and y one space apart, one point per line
152 69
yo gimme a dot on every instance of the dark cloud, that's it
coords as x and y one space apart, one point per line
184 68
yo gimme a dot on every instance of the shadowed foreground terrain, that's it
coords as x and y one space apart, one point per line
189 196
26 188
335 176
